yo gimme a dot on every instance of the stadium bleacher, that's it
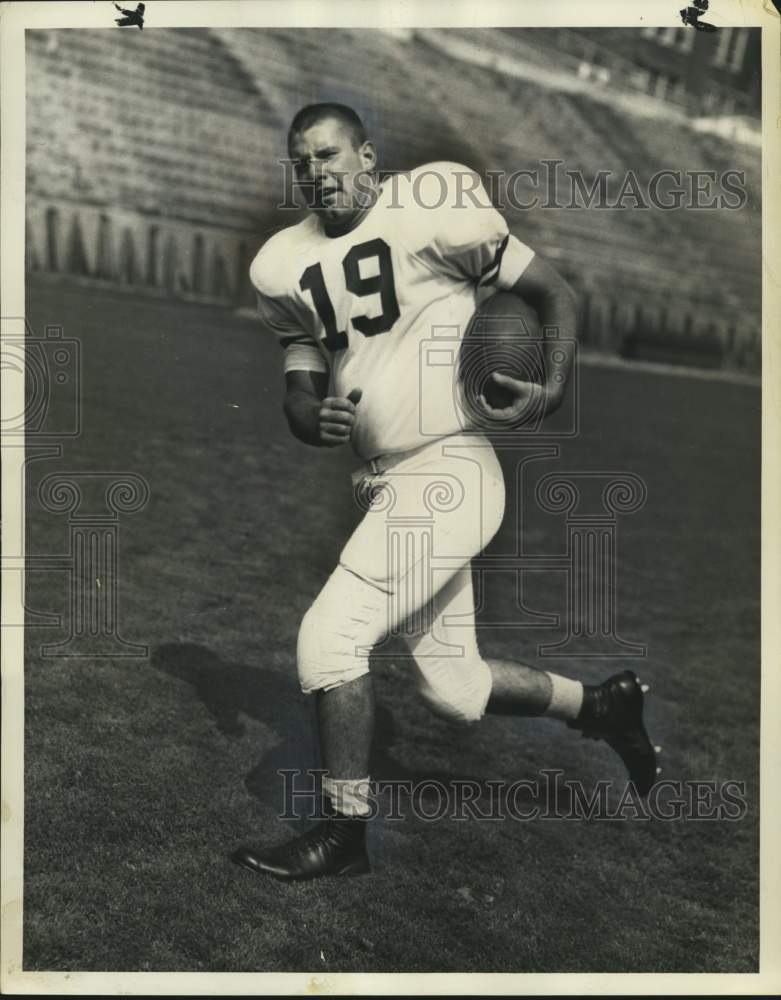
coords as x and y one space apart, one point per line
167 147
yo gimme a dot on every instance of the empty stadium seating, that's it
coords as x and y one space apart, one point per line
154 162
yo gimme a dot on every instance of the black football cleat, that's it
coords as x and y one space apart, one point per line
613 712
336 846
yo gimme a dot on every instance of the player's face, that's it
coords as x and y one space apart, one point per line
335 176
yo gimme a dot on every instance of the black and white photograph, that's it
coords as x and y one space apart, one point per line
388 557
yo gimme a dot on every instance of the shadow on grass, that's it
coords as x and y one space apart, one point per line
434 785
232 690
228 689
271 697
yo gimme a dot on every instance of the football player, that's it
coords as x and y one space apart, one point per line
352 292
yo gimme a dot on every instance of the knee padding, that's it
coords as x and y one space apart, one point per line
346 619
455 689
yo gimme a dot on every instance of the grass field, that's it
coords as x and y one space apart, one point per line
141 775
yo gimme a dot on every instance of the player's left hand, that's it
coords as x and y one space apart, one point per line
530 398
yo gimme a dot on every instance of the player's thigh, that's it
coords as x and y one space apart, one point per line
445 625
336 634
427 521
454 680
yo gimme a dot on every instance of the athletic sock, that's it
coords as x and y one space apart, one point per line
566 698
348 796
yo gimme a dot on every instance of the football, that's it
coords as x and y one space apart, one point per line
503 336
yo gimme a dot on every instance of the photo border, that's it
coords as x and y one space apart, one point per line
14 19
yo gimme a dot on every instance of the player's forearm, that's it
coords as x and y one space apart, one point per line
557 309
553 300
302 410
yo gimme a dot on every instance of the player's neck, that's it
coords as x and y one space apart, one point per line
349 221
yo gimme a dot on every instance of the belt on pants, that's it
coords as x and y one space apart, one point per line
385 463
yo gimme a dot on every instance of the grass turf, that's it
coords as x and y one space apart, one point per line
142 774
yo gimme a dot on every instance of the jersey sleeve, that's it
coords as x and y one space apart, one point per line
278 314
469 237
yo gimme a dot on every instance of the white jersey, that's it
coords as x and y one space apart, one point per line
367 306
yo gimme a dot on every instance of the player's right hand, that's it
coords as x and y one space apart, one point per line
337 417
